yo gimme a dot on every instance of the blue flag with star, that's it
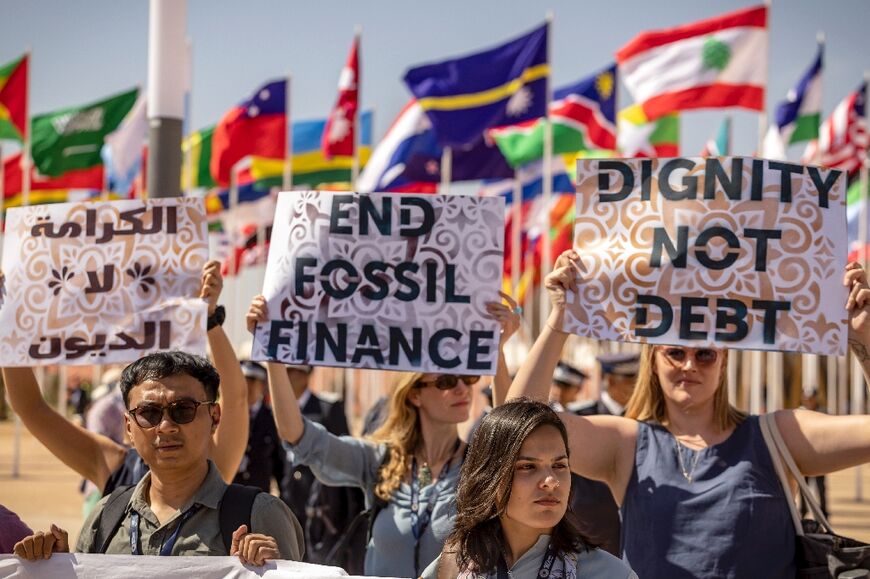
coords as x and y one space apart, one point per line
465 96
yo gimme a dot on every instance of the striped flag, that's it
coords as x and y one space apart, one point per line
799 115
713 63
844 138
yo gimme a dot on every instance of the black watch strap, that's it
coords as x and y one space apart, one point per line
217 318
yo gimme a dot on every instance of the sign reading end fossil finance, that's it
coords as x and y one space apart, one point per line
729 251
102 282
383 280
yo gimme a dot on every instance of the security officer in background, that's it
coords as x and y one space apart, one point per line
264 456
568 383
592 502
323 511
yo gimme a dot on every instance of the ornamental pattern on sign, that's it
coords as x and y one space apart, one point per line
804 267
97 282
468 235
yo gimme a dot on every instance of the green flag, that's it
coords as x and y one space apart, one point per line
195 169
72 138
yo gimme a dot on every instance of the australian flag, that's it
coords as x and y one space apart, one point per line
501 86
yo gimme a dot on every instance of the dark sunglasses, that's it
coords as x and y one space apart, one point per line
678 356
448 381
180 412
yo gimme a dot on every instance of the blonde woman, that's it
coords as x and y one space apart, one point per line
698 493
408 468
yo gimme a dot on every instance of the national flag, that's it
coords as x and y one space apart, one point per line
122 153
713 63
465 96
248 227
338 134
641 138
798 116
73 138
844 137
557 221
46 189
583 116
720 146
310 168
13 99
408 158
257 126
196 150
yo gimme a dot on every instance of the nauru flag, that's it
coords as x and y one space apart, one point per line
713 63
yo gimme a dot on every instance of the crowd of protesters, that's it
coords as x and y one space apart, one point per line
658 476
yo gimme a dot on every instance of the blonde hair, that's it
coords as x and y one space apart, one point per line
400 432
647 403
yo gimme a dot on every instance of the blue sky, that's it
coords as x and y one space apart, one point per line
84 50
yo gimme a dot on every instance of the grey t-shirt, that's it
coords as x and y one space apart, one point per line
594 564
349 461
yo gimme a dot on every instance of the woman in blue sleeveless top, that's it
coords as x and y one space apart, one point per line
698 493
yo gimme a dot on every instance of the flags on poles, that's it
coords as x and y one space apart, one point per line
501 86
639 137
844 137
714 63
720 145
338 133
583 116
798 116
122 152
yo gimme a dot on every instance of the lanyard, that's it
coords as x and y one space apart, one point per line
420 521
166 549
544 570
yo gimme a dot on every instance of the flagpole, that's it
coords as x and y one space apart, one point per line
234 254
25 150
287 180
547 248
516 224
354 169
446 170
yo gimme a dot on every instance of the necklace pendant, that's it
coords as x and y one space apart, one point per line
425 475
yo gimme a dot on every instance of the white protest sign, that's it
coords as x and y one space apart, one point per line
383 280
94 566
102 282
734 252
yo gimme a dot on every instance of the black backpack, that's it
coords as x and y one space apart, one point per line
234 511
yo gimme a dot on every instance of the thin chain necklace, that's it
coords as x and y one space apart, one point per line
688 474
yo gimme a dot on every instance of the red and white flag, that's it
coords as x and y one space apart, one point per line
714 63
338 134
844 136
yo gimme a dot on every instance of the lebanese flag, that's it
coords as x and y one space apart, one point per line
714 63
844 137
338 134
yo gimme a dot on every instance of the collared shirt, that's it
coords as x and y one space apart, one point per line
200 534
612 405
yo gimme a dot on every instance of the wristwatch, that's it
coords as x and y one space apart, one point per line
217 318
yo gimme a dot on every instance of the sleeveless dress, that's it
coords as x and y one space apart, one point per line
731 521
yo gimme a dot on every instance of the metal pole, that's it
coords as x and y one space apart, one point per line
446 170
547 248
166 41
287 178
516 238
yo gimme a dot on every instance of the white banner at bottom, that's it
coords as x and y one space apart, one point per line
90 566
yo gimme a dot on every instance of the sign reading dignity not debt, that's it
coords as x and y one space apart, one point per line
102 282
383 280
737 252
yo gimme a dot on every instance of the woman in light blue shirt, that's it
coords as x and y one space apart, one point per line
512 505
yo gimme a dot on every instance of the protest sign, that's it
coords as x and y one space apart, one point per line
102 282
95 566
729 251
383 280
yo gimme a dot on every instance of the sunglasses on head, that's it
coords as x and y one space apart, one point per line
448 381
180 412
679 356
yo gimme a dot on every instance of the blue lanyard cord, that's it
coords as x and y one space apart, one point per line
169 543
544 570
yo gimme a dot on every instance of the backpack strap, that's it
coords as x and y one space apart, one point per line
111 516
235 511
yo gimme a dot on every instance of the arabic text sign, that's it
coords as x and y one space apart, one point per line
102 282
383 281
737 252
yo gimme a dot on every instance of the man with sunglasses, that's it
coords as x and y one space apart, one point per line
176 508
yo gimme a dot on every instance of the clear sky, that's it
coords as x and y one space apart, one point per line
84 50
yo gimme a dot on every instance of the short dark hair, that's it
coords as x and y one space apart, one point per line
485 486
163 364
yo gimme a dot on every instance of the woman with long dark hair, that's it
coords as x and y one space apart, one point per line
512 504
